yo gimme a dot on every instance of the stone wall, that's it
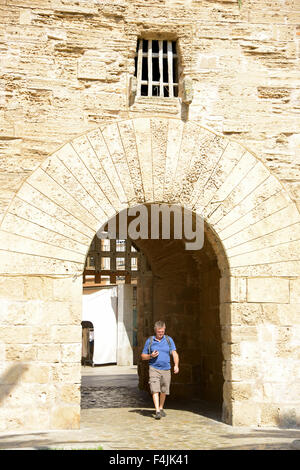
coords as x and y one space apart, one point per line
40 350
231 156
65 68
52 221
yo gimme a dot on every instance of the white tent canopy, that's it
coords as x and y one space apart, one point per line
100 308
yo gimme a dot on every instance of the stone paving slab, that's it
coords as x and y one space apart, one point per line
118 416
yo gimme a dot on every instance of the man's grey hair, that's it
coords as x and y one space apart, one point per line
159 324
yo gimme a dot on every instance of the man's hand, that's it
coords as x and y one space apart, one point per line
176 361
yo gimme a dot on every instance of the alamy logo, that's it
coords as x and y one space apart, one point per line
134 223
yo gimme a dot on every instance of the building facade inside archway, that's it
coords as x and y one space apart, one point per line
182 288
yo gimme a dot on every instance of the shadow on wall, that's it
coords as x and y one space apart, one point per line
288 419
10 378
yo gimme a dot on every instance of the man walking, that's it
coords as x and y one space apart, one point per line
158 350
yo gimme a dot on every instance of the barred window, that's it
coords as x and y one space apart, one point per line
156 68
112 261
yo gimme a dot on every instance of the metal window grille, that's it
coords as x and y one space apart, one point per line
156 68
112 261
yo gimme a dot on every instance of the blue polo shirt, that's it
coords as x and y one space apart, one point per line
162 361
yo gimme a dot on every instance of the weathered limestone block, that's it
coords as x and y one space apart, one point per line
127 135
243 391
276 269
75 7
267 255
99 145
69 394
24 418
41 334
274 93
58 167
66 333
112 138
188 91
230 157
252 350
245 164
159 132
266 229
281 314
23 353
241 333
37 373
241 313
246 412
175 132
17 243
66 373
143 141
92 66
287 343
34 231
54 211
267 334
49 353
46 185
71 352
236 371
12 287
22 398
189 158
68 290
295 292
253 207
232 289
83 147
65 417
256 176
209 147
268 290
16 334
92 195
278 369
36 288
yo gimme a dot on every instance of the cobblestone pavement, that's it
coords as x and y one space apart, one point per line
116 415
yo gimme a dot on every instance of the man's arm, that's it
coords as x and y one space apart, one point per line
145 357
176 361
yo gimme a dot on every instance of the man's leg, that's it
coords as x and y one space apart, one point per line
165 389
155 397
162 400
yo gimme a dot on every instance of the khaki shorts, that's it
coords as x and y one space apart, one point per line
159 380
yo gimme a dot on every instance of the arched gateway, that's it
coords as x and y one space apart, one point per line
253 227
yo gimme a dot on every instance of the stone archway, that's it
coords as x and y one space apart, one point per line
49 225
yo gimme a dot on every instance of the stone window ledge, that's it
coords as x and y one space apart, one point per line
156 104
